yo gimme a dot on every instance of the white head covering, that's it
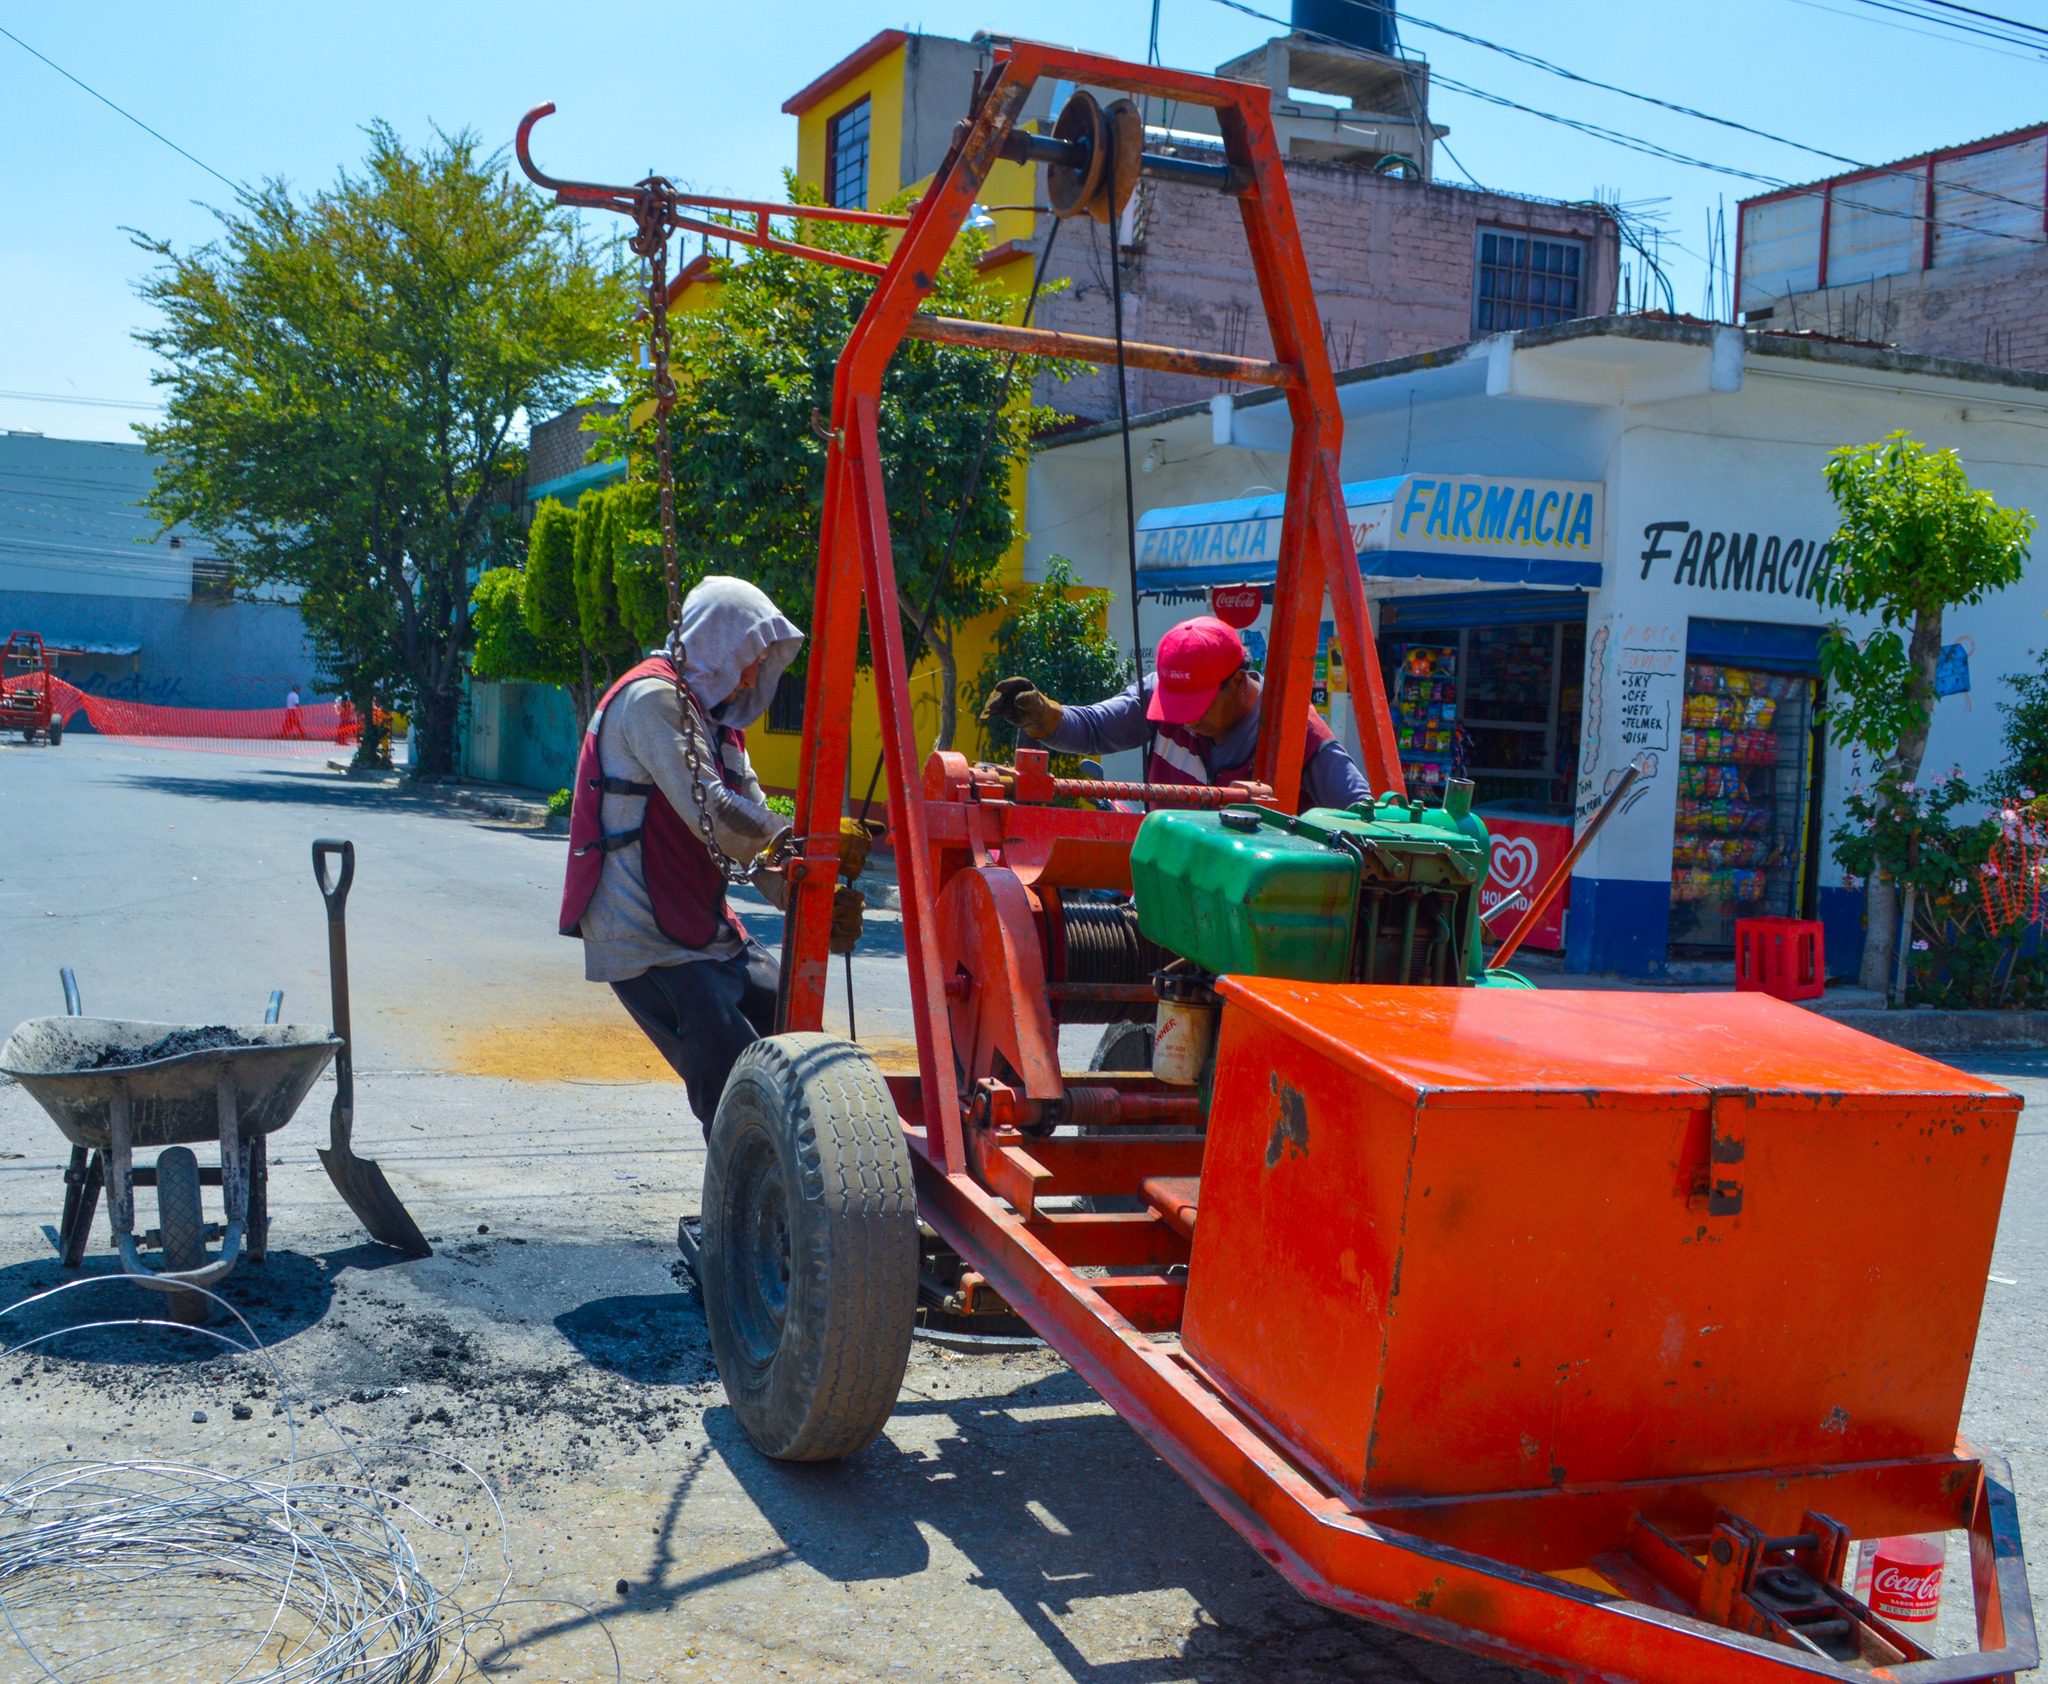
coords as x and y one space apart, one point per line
726 625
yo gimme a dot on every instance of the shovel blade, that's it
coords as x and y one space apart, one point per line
362 1185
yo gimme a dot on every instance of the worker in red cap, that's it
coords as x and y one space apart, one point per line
1197 713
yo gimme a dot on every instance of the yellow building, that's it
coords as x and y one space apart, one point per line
874 126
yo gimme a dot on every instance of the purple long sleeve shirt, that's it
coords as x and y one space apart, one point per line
1330 777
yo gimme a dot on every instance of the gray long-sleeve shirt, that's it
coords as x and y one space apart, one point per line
1330 777
643 743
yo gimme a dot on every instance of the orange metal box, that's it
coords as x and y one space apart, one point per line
1454 1241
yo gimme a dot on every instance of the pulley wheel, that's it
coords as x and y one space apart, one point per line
1126 125
1109 143
1071 188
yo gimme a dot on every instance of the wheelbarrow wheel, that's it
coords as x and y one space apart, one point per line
181 1222
56 729
809 1261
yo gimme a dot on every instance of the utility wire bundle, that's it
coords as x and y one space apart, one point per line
305 1572
157 1570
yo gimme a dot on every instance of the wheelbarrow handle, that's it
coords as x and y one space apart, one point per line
336 892
73 1006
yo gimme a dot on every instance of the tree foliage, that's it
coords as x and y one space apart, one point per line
1055 636
343 375
588 600
1915 540
756 370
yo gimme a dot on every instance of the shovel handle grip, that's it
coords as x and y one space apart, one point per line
335 893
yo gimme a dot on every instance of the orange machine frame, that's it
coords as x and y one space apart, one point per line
983 853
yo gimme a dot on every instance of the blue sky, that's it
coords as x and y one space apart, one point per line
267 90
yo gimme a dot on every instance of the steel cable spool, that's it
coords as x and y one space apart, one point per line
1102 946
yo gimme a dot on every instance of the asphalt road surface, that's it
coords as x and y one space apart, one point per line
1007 1526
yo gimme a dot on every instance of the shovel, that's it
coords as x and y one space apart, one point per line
357 1180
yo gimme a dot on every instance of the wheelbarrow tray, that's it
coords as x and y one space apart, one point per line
171 1101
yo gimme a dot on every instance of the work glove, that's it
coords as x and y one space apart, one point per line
1019 702
847 907
856 841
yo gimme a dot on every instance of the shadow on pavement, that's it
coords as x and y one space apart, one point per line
300 789
652 1338
284 1295
1055 1506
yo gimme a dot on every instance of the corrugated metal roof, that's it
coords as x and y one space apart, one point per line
1989 143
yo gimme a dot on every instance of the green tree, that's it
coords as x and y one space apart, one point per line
1915 540
2024 777
755 371
1055 636
343 378
585 603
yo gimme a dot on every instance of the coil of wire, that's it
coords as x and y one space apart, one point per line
157 1570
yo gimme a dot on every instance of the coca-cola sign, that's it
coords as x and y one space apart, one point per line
1236 605
1905 1593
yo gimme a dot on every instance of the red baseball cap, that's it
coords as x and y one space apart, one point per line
1194 660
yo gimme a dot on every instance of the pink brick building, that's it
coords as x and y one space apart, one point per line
1400 266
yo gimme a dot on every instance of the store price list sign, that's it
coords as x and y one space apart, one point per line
1649 673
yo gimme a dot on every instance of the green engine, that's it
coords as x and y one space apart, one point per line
1381 894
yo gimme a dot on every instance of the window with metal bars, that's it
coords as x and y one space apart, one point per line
1525 280
846 158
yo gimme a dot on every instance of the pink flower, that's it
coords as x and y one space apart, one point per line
1920 946
1907 789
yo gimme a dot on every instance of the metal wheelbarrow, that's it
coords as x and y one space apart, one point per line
236 1094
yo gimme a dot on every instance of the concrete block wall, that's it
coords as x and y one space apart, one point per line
1393 263
1991 311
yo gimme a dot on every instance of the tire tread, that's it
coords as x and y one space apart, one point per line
846 1343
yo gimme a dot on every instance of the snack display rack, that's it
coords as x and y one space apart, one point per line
1423 695
1738 847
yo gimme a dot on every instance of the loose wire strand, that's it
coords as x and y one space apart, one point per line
306 1569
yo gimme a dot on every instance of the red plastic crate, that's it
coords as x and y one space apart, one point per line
1780 956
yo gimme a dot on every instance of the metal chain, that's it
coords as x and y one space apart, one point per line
655 218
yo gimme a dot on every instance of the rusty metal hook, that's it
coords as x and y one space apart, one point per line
598 196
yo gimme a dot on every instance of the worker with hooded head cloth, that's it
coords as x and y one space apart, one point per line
1196 715
666 807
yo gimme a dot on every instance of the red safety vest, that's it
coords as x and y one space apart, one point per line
1176 758
683 881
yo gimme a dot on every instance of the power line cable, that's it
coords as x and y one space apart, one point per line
1946 23
90 403
1653 149
1995 17
111 106
1570 75
1935 34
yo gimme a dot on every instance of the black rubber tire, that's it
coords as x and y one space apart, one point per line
809 1262
181 1224
1124 1047
56 730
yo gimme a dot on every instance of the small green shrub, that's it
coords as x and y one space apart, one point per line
559 803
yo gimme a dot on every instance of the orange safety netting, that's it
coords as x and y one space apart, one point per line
319 722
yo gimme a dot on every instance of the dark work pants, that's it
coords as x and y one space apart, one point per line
702 1015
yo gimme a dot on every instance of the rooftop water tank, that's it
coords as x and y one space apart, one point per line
1353 23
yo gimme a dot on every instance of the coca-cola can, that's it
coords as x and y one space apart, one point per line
1905 1579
